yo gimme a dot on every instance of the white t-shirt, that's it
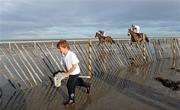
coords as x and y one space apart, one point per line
68 60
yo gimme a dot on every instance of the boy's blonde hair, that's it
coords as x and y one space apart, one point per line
63 43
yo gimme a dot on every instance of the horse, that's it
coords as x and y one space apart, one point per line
137 39
103 39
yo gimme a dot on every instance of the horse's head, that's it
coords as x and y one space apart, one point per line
129 30
97 34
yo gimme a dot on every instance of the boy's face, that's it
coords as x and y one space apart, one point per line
63 50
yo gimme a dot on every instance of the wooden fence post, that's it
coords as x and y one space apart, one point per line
90 58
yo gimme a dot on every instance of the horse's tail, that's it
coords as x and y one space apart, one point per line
113 41
146 38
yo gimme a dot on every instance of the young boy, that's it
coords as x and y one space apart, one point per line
70 62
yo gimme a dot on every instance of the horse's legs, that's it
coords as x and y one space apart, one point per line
141 39
99 42
102 41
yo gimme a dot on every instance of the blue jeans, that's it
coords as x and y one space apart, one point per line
74 81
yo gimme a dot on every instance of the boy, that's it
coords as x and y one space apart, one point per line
70 62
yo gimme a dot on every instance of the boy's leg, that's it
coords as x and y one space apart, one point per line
81 82
71 88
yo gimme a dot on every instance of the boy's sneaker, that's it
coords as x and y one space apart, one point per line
89 89
69 103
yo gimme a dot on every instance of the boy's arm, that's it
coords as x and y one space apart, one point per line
71 69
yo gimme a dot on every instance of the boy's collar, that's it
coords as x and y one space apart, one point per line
66 53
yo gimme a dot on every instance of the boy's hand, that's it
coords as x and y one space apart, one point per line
67 74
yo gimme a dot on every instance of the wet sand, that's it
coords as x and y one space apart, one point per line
130 88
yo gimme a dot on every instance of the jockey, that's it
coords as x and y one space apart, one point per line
136 29
102 33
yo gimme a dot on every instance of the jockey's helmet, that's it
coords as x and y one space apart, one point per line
133 25
101 31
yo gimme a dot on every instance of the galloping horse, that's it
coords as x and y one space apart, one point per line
103 39
137 39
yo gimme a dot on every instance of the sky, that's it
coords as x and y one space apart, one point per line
57 19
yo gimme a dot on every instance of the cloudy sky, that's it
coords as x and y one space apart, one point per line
54 19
